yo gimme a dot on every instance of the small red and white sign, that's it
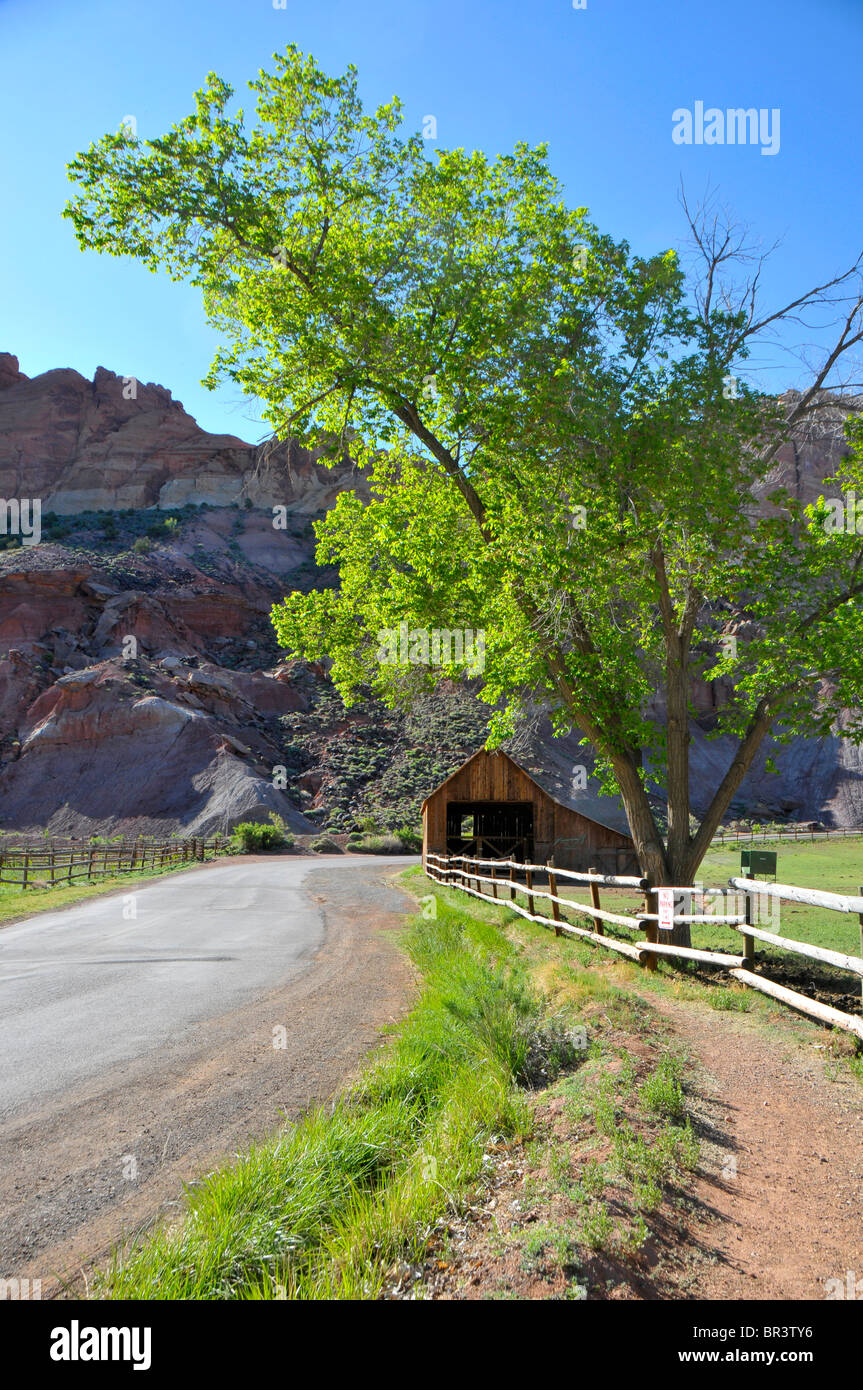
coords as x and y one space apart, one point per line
665 897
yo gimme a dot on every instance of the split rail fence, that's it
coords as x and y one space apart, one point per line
796 832
504 881
52 864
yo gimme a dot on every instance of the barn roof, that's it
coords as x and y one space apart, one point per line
539 778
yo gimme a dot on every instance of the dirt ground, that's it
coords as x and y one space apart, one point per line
781 1200
64 1189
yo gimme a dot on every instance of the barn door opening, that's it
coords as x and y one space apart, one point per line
490 829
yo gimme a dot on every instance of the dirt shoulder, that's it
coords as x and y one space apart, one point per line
112 1157
780 1190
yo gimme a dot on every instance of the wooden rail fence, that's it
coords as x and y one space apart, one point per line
789 832
50 864
503 877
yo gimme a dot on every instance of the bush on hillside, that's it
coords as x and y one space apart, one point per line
251 837
323 844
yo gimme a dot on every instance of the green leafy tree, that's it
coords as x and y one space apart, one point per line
559 450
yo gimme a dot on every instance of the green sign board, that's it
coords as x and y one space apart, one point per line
757 861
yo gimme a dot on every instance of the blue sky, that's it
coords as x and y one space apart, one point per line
599 84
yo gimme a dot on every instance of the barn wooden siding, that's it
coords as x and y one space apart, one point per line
573 840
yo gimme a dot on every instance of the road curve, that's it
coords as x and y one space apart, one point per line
146 1035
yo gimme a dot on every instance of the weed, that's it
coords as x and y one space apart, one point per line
662 1093
597 1228
687 1147
591 1184
728 1000
629 1242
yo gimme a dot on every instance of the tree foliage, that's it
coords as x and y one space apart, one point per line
560 451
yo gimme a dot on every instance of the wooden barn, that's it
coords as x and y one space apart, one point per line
490 808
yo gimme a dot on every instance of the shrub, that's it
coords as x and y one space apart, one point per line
141 546
410 839
375 844
282 827
323 844
251 837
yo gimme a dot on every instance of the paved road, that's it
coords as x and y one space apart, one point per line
86 988
143 1024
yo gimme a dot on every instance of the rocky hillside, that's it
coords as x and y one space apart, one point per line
141 689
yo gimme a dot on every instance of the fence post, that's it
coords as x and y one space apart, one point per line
555 907
528 876
494 879
748 941
860 891
594 902
26 868
512 884
651 929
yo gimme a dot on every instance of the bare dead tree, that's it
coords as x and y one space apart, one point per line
728 267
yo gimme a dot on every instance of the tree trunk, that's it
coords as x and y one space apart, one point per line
652 856
642 826
677 747
760 725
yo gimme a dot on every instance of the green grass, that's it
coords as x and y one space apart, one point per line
325 1208
628 1146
